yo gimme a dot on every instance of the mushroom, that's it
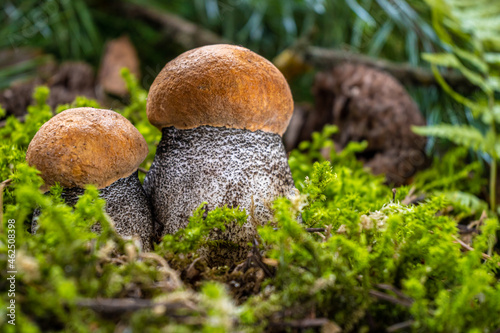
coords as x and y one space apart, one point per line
101 147
222 110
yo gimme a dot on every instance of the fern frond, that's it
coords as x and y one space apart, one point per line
480 17
467 200
462 135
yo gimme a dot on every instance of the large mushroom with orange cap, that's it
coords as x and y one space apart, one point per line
222 110
100 147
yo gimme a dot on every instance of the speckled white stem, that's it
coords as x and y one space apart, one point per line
126 204
220 166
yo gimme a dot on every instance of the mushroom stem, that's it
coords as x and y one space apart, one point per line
220 166
126 204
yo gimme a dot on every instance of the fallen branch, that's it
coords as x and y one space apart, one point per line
470 248
400 326
406 302
183 32
405 73
190 35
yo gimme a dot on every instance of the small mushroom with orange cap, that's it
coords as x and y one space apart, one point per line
101 147
222 110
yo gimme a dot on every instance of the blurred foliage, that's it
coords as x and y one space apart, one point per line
62 27
20 134
135 111
397 30
20 71
470 32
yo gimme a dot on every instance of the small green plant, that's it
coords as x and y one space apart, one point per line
201 223
456 179
473 50
20 134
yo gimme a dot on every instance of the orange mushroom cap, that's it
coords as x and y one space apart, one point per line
220 86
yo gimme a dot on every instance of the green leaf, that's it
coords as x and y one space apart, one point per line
463 135
492 58
456 96
494 82
473 59
450 60
442 59
467 200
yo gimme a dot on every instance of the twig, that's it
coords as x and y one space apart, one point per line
395 290
315 229
257 258
142 170
391 299
328 231
305 323
412 199
409 197
465 230
5 183
394 195
321 235
400 326
479 222
312 230
327 58
470 248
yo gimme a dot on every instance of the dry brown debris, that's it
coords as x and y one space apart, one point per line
119 53
66 82
367 104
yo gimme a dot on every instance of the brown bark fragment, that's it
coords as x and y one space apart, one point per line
119 53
